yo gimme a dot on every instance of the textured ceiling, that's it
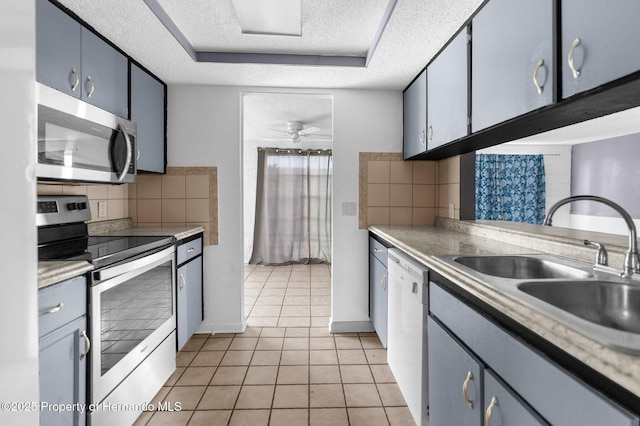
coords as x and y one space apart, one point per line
264 114
416 31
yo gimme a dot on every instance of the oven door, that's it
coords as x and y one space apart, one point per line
132 312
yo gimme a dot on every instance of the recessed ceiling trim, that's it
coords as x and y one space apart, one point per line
271 58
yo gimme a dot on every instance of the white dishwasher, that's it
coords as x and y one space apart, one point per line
407 283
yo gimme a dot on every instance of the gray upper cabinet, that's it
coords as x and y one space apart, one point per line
75 61
513 59
105 75
415 117
448 93
58 49
599 42
147 111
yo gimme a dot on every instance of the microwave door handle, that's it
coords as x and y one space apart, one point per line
127 163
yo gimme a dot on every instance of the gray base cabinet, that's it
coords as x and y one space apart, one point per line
528 387
63 346
415 117
378 296
75 61
599 42
448 93
189 291
510 38
147 111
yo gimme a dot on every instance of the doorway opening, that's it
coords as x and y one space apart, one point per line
287 170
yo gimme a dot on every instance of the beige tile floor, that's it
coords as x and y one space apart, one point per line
286 368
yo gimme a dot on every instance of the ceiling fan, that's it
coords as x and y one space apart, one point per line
297 131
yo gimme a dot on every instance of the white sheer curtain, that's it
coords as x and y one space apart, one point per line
293 207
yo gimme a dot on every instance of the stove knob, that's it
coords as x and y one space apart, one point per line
82 206
72 206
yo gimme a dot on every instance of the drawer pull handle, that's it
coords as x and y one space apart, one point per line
53 310
87 345
465 388
74 86
414 288
191 250
535 76
576 73
376 250
487 414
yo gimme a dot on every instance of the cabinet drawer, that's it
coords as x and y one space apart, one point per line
379 250
61 303
189 250
556 394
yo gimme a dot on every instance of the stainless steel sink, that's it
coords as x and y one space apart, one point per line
521 267
609 304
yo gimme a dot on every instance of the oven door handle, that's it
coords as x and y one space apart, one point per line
114 271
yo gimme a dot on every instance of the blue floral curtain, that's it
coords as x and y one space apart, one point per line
510 187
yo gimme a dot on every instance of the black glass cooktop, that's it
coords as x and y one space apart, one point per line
102 250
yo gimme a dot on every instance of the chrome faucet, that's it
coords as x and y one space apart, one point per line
631 260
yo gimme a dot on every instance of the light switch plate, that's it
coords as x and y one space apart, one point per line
102 209
452 211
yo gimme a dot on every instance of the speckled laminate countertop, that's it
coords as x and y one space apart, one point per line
51 272
456 237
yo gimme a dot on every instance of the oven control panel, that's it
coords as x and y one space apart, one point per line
59 209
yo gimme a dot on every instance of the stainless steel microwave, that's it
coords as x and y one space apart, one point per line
83 143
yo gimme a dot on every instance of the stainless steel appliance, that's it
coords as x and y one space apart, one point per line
80 142
132 306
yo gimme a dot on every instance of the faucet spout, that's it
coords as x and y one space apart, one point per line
631 260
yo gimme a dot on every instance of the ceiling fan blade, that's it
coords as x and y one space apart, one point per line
281 131
310 130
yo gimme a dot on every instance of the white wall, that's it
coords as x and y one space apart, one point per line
18 256
204 129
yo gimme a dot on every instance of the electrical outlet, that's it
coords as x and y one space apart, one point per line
349 209
102 209
452 211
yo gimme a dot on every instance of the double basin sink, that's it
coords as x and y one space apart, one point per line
597 304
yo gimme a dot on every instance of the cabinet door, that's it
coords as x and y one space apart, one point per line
448 93
415 117
378 297
504 407
63 373
455 381
189 300
105 74
57 49
147 111
607 46
510 38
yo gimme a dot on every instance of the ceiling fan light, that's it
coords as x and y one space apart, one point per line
269 17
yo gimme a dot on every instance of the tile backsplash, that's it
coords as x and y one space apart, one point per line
397 192
184 196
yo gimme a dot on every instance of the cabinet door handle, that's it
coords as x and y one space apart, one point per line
576 73
74 86
87 345
423 137
383 282
487 414
92 87
535 76
52 310
183 281
465 389
430 134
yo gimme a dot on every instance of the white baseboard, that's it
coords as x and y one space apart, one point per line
214 328
350 326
